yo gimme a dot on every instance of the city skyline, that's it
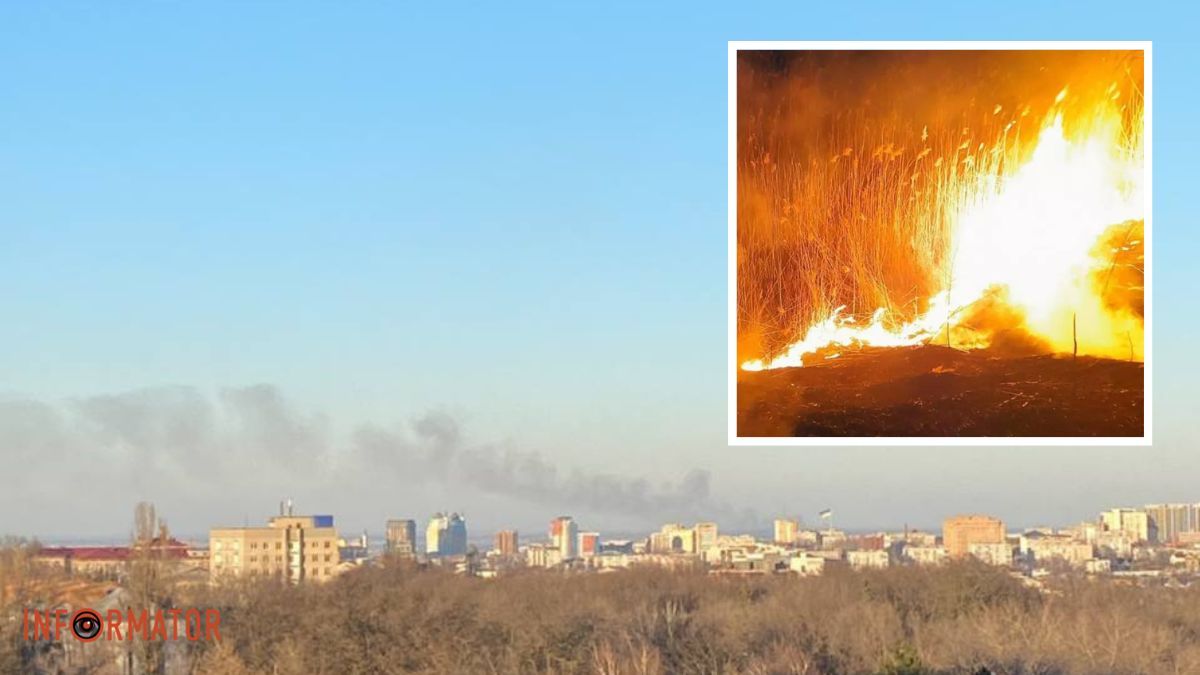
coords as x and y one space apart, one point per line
1160 521
1156 541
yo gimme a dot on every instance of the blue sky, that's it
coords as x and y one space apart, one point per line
516 215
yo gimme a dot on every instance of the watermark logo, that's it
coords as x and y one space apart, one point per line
87 625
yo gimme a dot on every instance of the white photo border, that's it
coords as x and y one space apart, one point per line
1013 441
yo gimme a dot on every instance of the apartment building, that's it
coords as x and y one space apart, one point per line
291 548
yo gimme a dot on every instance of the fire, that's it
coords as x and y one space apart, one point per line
1026 222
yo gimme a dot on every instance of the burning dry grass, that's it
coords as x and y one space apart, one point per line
931 390
901 181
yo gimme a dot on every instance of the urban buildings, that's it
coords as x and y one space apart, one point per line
992 553
674 538
706 536
1173 522
867 559
589 544
507 543
354 551
564 535
1042 548
112 561
446 535
1133 523
543 555
806 564
786 531
1120 542
961 532
925 555
401 537
292 548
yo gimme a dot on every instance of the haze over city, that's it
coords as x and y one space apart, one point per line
336 258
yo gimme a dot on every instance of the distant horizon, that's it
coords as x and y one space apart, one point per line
540 533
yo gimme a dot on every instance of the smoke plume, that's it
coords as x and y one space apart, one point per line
251 441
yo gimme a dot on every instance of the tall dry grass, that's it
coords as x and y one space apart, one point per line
849 179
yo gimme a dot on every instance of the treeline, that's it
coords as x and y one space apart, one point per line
963 618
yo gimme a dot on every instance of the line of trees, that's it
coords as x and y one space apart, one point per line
963 618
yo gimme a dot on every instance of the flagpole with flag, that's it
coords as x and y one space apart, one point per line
827 516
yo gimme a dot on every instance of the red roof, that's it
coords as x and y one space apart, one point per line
173 549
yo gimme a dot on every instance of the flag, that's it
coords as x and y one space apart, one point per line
826 513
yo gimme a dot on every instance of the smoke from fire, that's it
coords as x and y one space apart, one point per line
252 443
976 199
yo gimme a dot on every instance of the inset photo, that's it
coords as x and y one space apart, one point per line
939 243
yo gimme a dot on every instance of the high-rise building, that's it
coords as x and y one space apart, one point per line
446 535
506 542
706 536
433 534
960 532
589 544
1169 521
402 537
786 531
1134 523
673 538
564 535
291 548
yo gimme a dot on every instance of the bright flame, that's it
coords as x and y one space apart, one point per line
1031 232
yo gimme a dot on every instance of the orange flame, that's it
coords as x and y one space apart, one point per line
1031 231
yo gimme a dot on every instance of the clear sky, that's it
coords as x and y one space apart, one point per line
322 219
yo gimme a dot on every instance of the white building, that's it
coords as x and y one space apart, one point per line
861 560
992 554
706 536
925 555
1134 523
785 531
805 564
543 555
564 535
674 538
1041 548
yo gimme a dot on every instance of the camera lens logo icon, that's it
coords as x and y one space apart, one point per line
85 624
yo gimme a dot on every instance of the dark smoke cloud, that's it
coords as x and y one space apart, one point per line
434 446
250 440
